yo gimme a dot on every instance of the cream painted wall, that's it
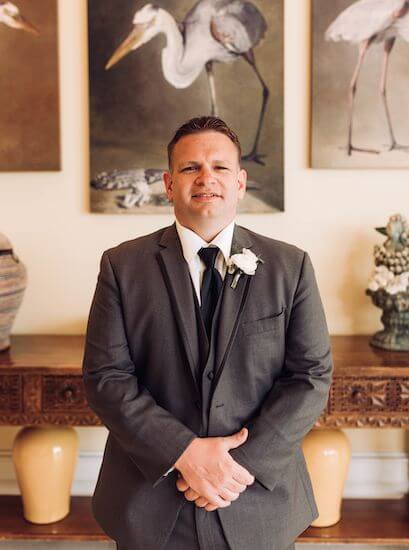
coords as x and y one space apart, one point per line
331 214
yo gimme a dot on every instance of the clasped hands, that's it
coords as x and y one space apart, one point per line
209 475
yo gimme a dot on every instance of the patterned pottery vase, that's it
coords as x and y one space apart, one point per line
13 279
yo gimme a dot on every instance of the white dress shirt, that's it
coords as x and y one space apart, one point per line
191 244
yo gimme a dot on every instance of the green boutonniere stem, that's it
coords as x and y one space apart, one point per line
236 278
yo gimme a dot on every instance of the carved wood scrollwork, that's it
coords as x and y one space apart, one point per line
365 421
366 395
55 419
32 393
63 393
10 393
371 402
41 383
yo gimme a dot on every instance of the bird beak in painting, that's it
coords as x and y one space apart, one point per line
131 42
21 23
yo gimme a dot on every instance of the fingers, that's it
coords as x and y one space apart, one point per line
226 494
215 499
236 439
242 476
218 501
191 495
235 486
215 496
229 493
182 484
201 502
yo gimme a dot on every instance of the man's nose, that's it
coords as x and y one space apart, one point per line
206 175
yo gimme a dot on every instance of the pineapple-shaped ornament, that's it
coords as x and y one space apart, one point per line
389 285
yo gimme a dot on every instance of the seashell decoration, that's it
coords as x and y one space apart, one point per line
13 279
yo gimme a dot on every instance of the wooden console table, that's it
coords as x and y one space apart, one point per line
41 383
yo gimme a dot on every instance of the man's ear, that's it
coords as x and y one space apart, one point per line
167 180
242 181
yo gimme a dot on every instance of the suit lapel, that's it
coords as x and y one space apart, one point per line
177 277
232 304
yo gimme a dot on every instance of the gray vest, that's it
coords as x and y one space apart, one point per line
207 351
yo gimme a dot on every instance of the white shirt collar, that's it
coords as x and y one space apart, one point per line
192 242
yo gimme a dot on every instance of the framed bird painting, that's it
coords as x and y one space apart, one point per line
29 91
154 66
360 95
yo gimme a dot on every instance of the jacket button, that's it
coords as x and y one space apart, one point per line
210 375
197 403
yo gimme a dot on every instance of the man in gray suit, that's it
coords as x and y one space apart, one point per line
208 359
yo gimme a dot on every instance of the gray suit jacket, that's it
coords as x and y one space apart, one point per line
273 369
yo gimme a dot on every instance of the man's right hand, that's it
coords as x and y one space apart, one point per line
211 471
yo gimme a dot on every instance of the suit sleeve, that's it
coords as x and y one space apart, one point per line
299 394
151 436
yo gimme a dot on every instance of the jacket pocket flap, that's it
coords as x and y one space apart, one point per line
262 325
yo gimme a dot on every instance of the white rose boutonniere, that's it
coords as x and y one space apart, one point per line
244 262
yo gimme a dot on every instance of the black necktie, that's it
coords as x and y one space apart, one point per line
211 286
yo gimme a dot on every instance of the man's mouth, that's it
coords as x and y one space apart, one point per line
204 195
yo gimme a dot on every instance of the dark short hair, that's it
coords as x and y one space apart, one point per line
203 124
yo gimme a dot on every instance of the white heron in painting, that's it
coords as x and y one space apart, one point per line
366 22
212 31
10 15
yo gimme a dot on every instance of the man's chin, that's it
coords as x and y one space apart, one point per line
209 214
207 209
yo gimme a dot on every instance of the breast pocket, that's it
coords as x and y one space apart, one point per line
265 324
262 345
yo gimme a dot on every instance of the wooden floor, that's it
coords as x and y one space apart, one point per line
365 521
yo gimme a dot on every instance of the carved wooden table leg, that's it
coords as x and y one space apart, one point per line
327 454
44 459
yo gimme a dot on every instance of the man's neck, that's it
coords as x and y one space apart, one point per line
206 233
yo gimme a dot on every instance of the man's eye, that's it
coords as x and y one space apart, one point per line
189 168
221 167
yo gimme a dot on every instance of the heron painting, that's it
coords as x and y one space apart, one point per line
29 119
154 66
360 83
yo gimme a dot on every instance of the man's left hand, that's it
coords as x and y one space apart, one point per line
192 495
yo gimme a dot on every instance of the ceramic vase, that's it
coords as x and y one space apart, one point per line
13 279
44 459
327 453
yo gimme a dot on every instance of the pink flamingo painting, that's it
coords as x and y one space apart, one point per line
366 22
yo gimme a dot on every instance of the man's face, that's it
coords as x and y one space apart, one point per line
205 182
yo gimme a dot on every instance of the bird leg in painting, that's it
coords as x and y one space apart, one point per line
388 45
212 88
363 48
254 155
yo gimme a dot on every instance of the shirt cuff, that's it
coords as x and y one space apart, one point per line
168 472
